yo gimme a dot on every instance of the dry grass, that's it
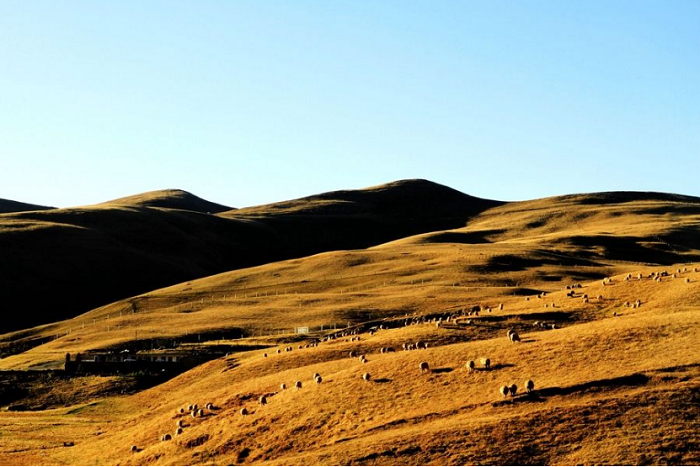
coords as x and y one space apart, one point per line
609 389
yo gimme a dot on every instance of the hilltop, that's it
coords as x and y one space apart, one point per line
7 205
170 199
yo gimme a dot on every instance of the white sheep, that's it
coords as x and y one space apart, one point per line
244 411
283 386
297 384
263 400
486 363
166 437
178 432
179 423
318 379
424 367
513 390
514 337
366 376
504 391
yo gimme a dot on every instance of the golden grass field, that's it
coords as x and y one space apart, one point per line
614 384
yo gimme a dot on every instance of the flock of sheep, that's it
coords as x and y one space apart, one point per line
424 367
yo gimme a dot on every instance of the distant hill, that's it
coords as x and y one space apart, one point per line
61 263
7 206
171 199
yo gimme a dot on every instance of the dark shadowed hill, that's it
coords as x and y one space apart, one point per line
7 206
171 199
61 263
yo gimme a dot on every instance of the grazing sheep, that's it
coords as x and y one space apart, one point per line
424 367
178 432
600 297
316 375
504 390
200 413
283 386
209 406
193 414
263 400
363 361
179 423
244 411
265 355
166 437
626 304
318 379
687 280
421 345
509 332
514 337
529 386
470 366
513 390
181 411
279 350
366 376
189 408
134 449
500 306
297 384
353 355
486 363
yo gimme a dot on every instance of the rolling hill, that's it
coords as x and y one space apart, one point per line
7 206
64 262
603 290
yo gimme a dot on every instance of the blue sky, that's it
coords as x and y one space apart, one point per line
249 102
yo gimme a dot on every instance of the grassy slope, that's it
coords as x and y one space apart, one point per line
61 263
620 390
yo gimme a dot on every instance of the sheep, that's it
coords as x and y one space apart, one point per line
265 355
244 411
179 423
470 366
529 386
500 306
318 379
504 390
279 350
297 384
421 345
366 376
509 332
263 400
193 414
181 411
486 363
687 280
283 386
626 304
189 408
424 367
352 354
514 337
600 297
513 390
316 375
210 406
134 448
178 432
166 437
362 357
363 361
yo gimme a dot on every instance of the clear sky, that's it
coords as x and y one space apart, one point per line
249 102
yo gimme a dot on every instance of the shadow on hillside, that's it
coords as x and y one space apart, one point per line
443 370
382 380
497 366
540 395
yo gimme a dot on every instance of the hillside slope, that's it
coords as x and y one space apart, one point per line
7 206
61 263
171 199
608 390
502 255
